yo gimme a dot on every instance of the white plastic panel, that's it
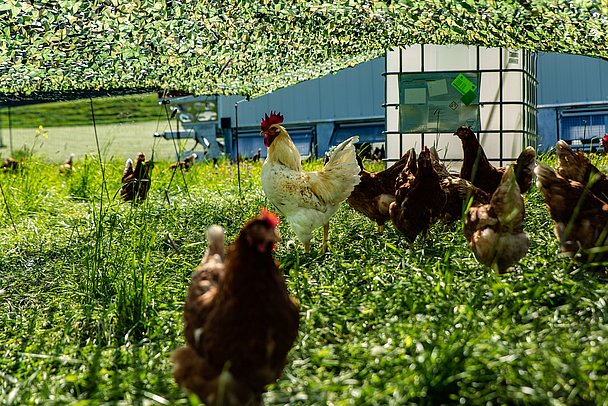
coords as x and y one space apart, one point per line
491 144
450 58
489 89
489 58
392 60
412 58
392 147
512 59
512 86
490 117
392 119
392 89
448 146
512 146
512 117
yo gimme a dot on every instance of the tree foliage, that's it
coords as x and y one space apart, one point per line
254 47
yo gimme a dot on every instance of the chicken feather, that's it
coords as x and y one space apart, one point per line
376 191
419 201
576 166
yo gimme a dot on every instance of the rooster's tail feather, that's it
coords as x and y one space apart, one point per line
337 179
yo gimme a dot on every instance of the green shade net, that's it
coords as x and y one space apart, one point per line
66 49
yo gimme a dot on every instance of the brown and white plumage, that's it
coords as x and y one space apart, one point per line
186 164
203 288
576 166
460 193
306 199
240 321
68 166
495 230
11 164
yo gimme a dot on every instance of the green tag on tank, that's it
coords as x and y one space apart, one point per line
463 85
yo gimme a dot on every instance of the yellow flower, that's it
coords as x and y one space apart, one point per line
42 131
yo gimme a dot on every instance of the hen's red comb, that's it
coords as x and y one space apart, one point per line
275 118
269 217
605 138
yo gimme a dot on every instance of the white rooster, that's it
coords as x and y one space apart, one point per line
306 199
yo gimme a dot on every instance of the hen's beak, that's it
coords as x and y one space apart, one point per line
273 235
268 241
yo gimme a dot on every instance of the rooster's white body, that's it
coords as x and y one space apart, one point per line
307 199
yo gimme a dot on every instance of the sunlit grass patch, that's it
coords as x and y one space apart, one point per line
91 291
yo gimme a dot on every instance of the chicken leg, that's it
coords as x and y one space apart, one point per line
325 238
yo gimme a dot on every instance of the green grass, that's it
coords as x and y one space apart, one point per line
92 292
108 110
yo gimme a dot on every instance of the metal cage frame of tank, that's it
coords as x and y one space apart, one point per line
507 99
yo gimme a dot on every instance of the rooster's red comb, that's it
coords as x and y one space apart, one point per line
270 218
275 118
605 138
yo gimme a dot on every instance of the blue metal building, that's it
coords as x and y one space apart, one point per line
318 113
572 105
572 100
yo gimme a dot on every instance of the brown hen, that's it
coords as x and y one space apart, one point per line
240 321
477 169
376 191
576 166
460 193
186 164
495 230
580 218
11 164
67 167
136 181
418 201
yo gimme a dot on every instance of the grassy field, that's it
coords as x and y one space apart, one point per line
91 292
108 110
125 125
116 141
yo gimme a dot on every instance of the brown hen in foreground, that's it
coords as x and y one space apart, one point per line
418 201
495 230
136 181
477 168
376 191
580 219
240 321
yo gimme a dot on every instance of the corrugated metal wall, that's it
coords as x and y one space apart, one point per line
566 79
349 94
